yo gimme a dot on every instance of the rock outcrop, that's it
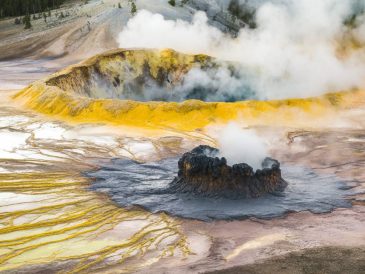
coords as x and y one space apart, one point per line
202 173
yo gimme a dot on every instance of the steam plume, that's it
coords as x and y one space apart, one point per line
239 145
300 48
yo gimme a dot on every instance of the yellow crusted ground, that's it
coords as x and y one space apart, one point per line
64 222
189 115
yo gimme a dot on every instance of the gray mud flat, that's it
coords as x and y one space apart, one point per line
325 260
129 184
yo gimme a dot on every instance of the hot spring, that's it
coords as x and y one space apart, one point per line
157 76
164 88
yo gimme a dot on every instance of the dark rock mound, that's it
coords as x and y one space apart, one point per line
201 172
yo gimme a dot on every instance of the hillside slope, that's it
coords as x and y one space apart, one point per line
79 30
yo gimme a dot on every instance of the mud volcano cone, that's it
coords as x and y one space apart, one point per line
201 172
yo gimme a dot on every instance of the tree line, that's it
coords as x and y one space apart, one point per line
10 8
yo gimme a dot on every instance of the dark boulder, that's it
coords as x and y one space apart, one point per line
202 172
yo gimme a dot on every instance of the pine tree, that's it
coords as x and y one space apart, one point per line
119 6
134 8
172 3
243 12
183 2
27 23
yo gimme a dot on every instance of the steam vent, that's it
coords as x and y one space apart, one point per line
201 172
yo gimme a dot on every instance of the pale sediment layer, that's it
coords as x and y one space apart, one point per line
50 221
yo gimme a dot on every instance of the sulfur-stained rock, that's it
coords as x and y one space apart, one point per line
201 172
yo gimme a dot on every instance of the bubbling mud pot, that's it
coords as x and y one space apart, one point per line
129 183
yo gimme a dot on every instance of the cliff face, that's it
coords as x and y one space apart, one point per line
201 172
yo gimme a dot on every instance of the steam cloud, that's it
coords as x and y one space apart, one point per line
300 48
239 145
